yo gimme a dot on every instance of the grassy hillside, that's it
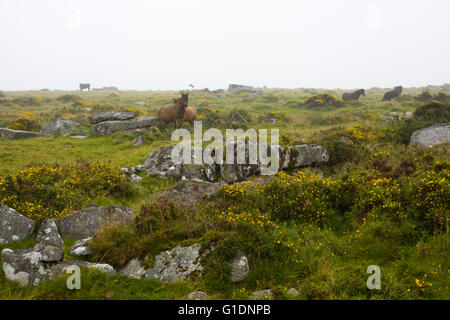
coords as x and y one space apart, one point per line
379 202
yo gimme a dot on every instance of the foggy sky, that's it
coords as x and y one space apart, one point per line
142 45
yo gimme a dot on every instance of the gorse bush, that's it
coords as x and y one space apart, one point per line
29 101
44 191
363 133
308 199
433 112
323 100
427 97
27 122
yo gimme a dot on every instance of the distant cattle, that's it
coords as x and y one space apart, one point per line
85 86
388 96
353 96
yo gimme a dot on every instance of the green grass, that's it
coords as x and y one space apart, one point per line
331 261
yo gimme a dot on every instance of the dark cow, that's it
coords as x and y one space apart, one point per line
388 96
85 86
353 96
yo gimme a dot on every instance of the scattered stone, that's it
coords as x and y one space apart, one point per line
431 136
237 89
33 266
239 267
48 234
292 292
109 127
78 137
133 269
310 154
261 295
81 248
237 117
197 295
160 164
346 140
25 267
49 253
189 193
178 263
236 172
112 116
14 226
139 141
135 178
85 223
200 172
130 173
17 134
269 121
137 169
59 127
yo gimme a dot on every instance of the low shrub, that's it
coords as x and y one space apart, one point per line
27 122
66 98
54 191
29 101
424 116
323 100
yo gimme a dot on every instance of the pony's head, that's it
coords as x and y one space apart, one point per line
184 100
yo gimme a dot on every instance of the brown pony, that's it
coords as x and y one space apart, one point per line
175 112
189 115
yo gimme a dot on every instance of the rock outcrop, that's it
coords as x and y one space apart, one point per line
237 89
48 233
86 223
17 134
112 116
33 266
189 193
81 248
197 295
139 141
178 264
59 127
261 295
14 226
160 163
133 269
239 267
431 136
309 154
109 127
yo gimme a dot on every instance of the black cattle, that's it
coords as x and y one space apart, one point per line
85 86
388 96
353 96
